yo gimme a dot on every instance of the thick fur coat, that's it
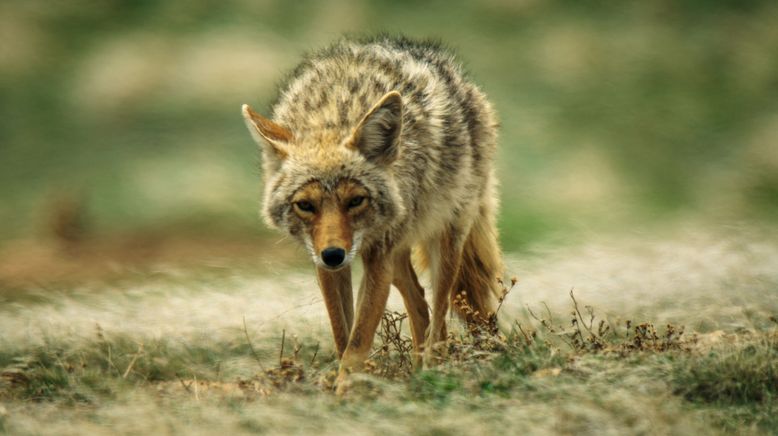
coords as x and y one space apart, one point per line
395 127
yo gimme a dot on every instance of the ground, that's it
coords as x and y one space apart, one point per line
683 340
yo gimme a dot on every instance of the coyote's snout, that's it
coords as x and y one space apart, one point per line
333 221
375 148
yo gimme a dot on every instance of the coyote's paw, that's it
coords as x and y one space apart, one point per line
348 364
342 383
435 354
417 360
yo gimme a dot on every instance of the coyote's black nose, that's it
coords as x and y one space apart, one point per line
333 256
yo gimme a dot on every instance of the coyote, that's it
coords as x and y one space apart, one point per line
378 148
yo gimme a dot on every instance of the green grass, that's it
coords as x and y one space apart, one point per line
742 374
737 384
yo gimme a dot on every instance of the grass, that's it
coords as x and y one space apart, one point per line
198 353
741 378
89 380
742 374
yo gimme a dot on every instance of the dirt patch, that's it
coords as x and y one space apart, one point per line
25 263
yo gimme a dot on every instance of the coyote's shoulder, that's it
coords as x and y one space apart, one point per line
377 147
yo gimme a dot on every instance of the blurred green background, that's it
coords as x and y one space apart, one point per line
124 115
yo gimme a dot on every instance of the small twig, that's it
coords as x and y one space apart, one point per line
549 326
532 314
575 305
281 354
132 362
251 347
602 329
103 339
548 311
297 347
110 359
590 310
315 353
545 323
527 337
614 331
186 386
197 393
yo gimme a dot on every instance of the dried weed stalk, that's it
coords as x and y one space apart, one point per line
290 370
586 333
481 341
482 338
394 356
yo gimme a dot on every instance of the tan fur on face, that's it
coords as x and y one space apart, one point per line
331 222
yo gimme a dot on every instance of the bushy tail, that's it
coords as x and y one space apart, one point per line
479 272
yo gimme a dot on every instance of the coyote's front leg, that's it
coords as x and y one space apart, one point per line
371 302
336 290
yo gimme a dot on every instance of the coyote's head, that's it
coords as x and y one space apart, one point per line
334 191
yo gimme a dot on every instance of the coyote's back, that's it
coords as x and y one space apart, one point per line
401 144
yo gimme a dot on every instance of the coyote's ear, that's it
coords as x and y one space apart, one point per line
378 134
267 133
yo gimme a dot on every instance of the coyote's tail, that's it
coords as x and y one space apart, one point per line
480 270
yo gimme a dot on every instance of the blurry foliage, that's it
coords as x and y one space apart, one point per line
740 374
611 114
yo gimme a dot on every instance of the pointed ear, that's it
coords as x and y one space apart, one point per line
267 133
378 134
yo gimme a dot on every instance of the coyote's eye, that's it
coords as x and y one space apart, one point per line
356 202
305 206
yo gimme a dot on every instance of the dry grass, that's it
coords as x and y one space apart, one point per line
196 353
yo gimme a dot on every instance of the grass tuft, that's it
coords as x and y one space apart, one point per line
738 374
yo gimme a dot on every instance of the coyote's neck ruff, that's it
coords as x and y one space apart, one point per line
376 147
